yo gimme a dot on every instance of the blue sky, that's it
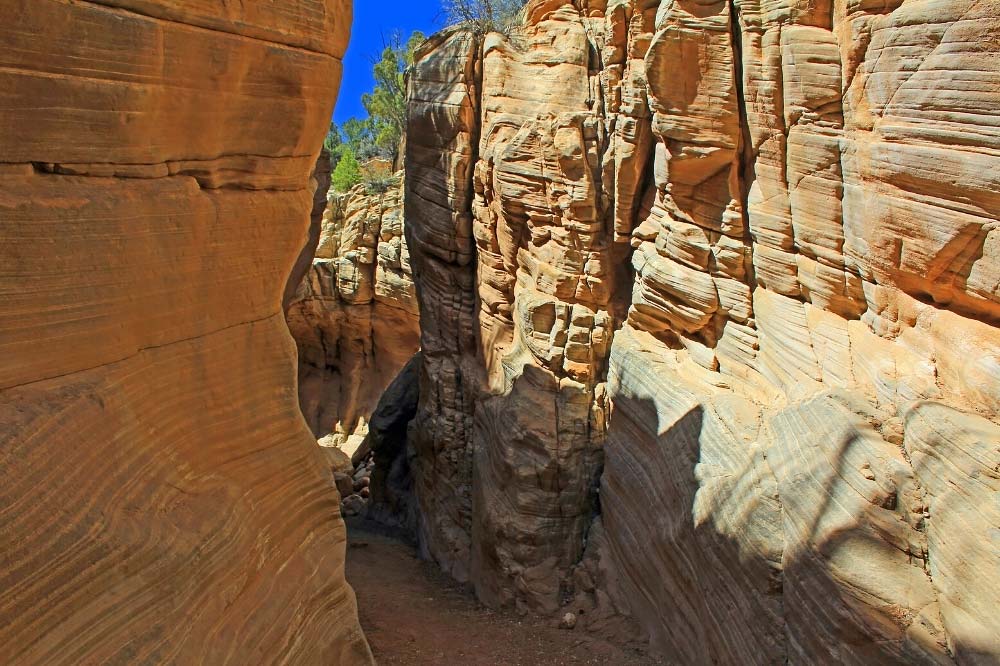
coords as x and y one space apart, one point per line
373 21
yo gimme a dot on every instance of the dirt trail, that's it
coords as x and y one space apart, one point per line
413 614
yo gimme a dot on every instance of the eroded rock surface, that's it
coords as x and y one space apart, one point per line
354 316
162 500
442 132
718 285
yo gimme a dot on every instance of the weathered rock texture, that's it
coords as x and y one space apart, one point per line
354 315
161 499
321 178
710 295
392 501
442 131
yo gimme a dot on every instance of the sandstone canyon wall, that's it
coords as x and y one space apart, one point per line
710 314
354 316
161 499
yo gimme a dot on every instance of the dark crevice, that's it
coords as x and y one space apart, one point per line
746 153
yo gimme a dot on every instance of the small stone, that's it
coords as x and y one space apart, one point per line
365 492
353 505
344 483
568 621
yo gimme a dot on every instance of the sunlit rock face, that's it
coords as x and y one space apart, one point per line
710 295
162 499
354 316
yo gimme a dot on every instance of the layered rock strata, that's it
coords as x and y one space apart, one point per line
442 133
354 315
161 499
710 296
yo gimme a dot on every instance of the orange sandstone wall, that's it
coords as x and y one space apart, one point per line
161 499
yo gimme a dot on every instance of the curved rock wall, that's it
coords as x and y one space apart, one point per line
162 500
731 320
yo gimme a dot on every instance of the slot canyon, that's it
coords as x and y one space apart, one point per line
673 337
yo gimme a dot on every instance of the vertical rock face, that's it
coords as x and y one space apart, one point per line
354 315
321 178
162 501
443 111
710 295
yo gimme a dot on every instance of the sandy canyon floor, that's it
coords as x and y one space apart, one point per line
415 615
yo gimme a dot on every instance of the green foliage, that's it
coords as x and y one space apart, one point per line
347 174
484 16
386 104
333 140
379 184
355 142
360 140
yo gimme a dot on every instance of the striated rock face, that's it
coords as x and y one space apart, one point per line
354 316
442 130
162 500
710 299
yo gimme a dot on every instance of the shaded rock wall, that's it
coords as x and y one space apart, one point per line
321 178
712 288
442 133
163 501
354 316
392 501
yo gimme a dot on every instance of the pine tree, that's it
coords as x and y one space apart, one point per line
348 172
386 105
333 139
